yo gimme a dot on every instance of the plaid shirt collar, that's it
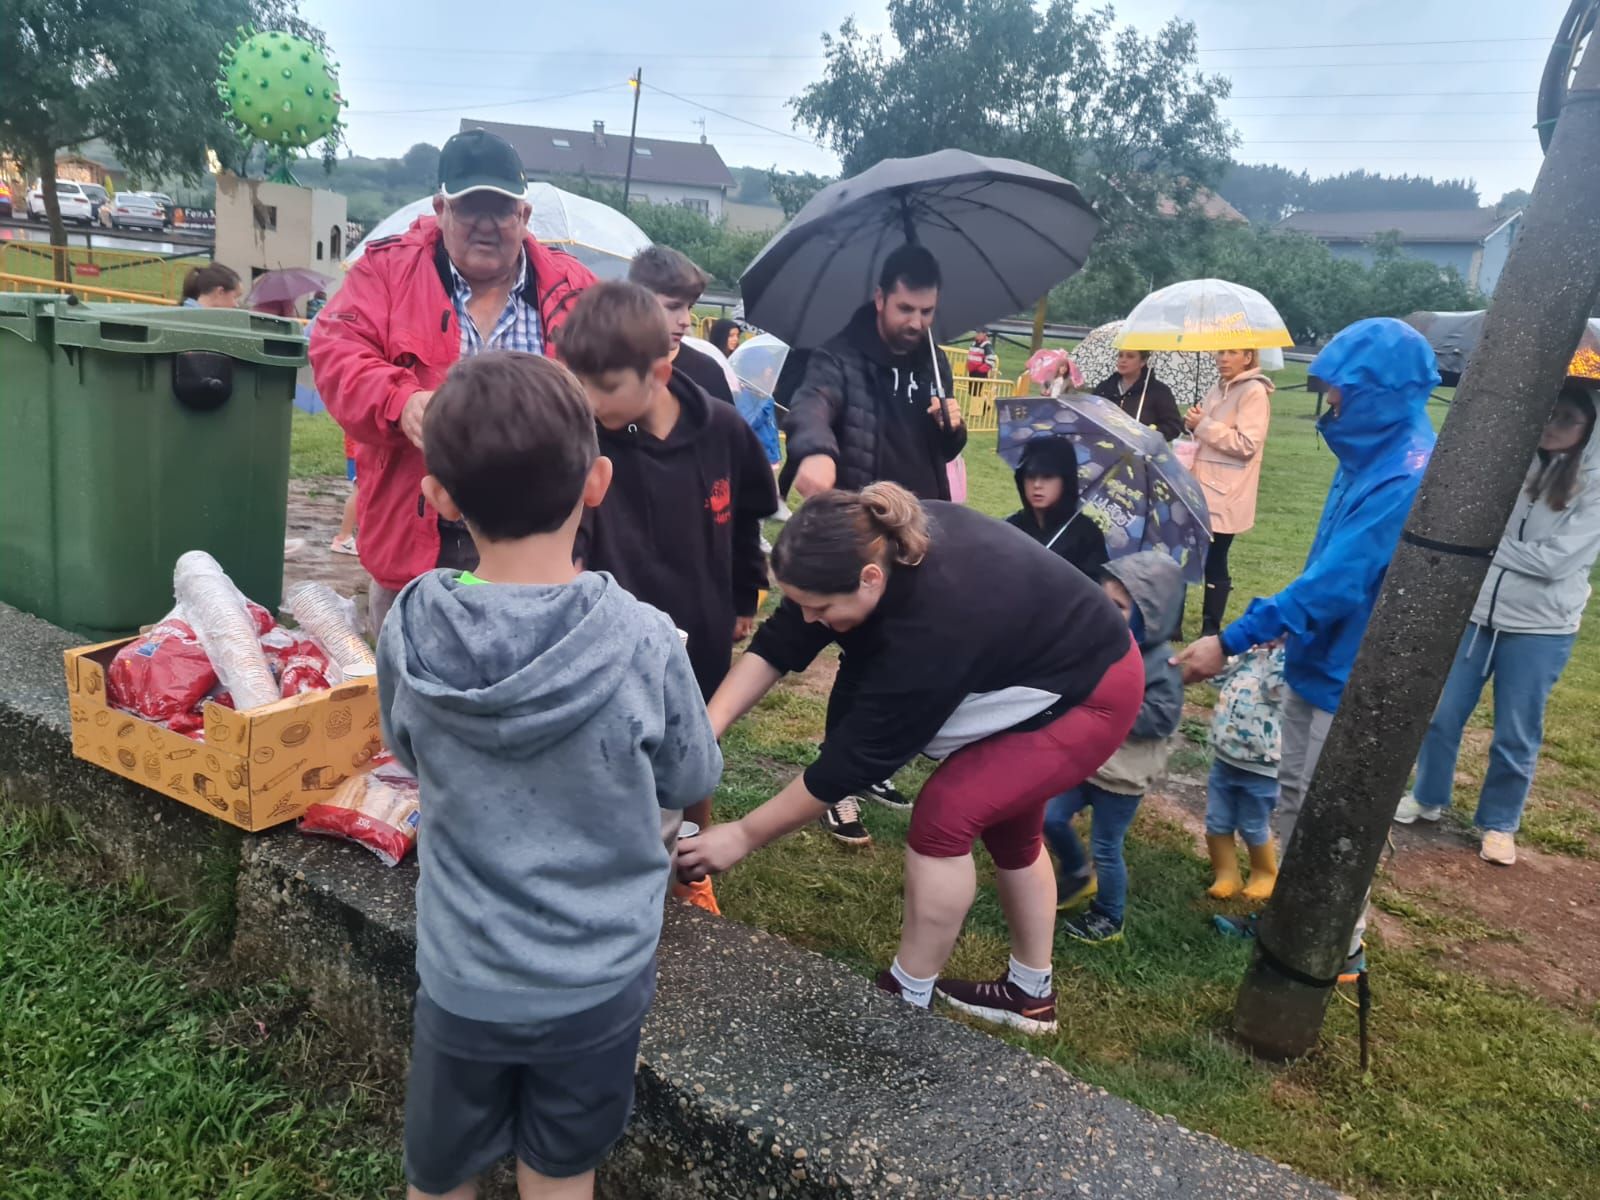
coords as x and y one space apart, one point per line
517 327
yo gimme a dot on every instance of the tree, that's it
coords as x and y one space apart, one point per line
422 166
1512 201
138 74
1129 118
1264 192
1355 191
791 189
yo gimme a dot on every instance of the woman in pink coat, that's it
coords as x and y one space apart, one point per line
1230 424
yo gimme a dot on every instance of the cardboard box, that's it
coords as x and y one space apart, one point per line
254 769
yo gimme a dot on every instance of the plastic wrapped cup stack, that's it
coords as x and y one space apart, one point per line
216 611
330 620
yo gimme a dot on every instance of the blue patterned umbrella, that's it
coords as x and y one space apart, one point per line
1129 481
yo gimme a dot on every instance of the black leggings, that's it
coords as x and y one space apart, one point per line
1217 559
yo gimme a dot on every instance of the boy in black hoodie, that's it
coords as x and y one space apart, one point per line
1047 482
681 526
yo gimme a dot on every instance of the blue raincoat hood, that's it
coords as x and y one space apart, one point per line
1385 371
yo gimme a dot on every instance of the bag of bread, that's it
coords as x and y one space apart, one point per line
377 809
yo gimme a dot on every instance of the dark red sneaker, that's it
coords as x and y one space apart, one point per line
886 982
1001 1003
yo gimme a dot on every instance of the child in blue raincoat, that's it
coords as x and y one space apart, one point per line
1379 374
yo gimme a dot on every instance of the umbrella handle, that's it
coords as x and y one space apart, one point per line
938 382
1139 415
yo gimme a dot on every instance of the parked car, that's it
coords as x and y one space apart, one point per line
73 199
97 198
5 200
165 201
132 210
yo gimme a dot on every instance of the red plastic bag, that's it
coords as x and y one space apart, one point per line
377 810
192 724
162 674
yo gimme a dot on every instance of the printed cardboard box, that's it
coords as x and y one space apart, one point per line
254 769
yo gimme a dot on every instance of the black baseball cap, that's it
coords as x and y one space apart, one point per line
475 160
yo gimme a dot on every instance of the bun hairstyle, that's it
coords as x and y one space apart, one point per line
824 546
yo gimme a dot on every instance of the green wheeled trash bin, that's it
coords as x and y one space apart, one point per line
130 434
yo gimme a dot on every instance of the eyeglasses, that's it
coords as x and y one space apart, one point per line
485 206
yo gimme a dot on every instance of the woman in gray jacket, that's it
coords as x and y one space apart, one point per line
1522 631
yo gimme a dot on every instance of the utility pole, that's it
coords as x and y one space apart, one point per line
637 84
1544 295
1039 314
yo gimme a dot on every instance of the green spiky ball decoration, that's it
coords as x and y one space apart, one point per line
281 89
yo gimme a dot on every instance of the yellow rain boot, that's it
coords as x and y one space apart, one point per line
1225 865
1263 871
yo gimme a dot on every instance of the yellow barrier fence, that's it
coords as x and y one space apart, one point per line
84 291
131 272
980 401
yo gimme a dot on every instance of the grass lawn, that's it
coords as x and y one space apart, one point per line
1476 1089
121 1078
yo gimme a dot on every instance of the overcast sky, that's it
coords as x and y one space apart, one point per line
1433 87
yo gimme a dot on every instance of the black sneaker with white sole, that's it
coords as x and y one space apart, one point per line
843 821
884 793
1000 1002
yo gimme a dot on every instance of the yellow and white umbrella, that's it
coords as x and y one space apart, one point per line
1204 314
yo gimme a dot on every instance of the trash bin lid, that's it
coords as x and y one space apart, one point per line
158 329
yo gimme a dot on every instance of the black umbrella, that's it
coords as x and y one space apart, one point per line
1453 336
1004 233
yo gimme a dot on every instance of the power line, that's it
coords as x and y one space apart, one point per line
730 116
401 112
1367 45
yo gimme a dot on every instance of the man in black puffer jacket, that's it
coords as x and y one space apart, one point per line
864 406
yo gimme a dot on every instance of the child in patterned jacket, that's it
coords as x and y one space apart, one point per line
1243 787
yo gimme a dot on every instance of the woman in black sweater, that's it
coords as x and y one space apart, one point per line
961 638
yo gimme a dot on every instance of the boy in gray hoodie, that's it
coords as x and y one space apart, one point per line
1148 589
557 732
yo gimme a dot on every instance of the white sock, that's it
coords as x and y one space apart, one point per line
913 990
1033 980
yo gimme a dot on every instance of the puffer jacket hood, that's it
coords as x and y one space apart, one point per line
1155 582
1384 371
1539 579
511 670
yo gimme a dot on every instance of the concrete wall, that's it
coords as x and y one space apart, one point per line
301 220
764 1071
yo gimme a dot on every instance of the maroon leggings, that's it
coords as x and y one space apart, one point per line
997 788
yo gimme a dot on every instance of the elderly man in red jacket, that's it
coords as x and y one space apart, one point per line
469 279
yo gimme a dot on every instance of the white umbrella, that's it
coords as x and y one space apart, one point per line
758 362
595 234
716 356
1204 314
1190 375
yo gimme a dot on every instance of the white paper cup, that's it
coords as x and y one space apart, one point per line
688 830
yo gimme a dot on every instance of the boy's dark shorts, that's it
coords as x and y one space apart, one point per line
557 1094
